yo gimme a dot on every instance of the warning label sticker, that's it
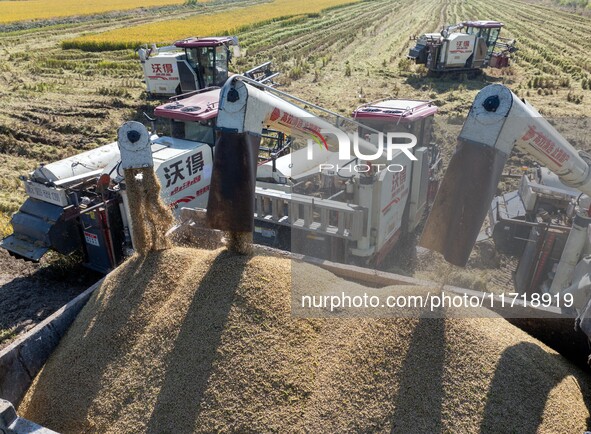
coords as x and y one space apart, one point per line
91 238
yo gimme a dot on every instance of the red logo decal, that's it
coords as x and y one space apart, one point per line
276 114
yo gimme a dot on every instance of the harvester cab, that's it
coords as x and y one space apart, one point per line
468 46
193 64
190 64
208 59
486 31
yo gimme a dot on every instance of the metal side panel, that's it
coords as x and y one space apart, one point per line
11 423
24 426
39 226
21 360
23 248
34 228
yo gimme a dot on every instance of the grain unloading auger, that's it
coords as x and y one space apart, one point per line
246 109
497 123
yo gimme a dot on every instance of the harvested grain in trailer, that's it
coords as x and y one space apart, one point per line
187 340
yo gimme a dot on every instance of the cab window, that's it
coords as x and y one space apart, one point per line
221 65
202 60
193 131
198 132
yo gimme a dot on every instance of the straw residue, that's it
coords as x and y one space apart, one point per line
150 216
186 340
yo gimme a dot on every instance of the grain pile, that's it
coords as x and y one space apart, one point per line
150 216
186 340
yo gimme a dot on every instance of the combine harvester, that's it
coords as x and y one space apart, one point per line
306 199
193 64
468 47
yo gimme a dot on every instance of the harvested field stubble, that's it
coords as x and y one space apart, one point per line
186 340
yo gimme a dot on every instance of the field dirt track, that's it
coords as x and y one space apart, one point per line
56 102
29 292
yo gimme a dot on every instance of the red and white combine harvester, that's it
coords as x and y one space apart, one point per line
547 222
469 46
302 195
193 64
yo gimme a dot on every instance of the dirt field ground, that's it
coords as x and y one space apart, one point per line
57 102
31 292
